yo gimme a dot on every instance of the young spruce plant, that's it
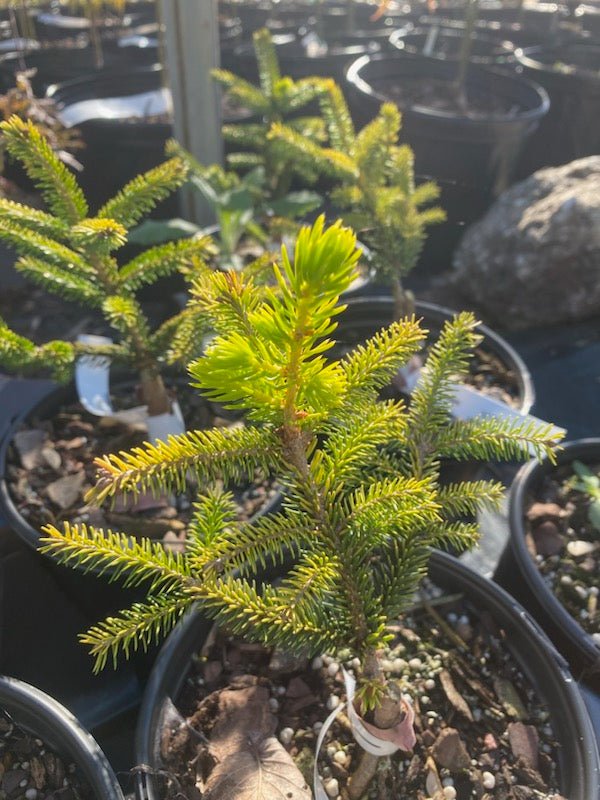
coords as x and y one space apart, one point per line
71 254
276 99
374 185
357 520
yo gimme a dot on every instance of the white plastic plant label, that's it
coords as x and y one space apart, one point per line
162 426
92 380
369 737
469 403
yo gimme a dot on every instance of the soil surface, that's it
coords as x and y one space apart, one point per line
440 96
50 466
566 546
481 730
29 770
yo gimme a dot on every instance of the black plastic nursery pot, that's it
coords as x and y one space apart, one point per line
48 720
478 152
444 44
95 594
365 315
544 668
57 23
570 74
132 141
304 57
124 120
519 575
58 64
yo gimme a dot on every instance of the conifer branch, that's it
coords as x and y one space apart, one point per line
58 186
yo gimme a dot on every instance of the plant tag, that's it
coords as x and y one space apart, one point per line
162 426
402 736
469 403
92 378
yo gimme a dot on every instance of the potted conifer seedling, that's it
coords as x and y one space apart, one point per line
374 190
352 541
47 458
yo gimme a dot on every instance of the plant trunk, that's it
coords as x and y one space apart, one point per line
465 54
404 301
95 37
386 715
154 393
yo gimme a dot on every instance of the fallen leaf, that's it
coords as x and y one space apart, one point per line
540 510
263 770
510 699
454 696
547 538
29 447
243 715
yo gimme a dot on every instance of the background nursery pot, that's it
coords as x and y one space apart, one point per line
446 43
544 668
518 573
570 73
477 151
47 719
95 598
367 314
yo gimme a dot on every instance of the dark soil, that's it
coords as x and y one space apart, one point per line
441 96
49 476
464 685
29 770
566 547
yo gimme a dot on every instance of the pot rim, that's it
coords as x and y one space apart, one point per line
50 720
354 77
527 476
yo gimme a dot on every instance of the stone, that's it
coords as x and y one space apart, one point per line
580 548
538 511
547 538
29 446
66 491
524 743
449 751
534 258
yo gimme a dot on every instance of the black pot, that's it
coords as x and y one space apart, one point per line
97 595
478 153
58 64
47 719
570 130
518 573
486 50
298 60
366 315
542 665
116 150
54 25
521 34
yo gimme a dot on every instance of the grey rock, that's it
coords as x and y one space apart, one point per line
534 259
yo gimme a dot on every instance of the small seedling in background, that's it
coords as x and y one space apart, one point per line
373 186
588 483
276 99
